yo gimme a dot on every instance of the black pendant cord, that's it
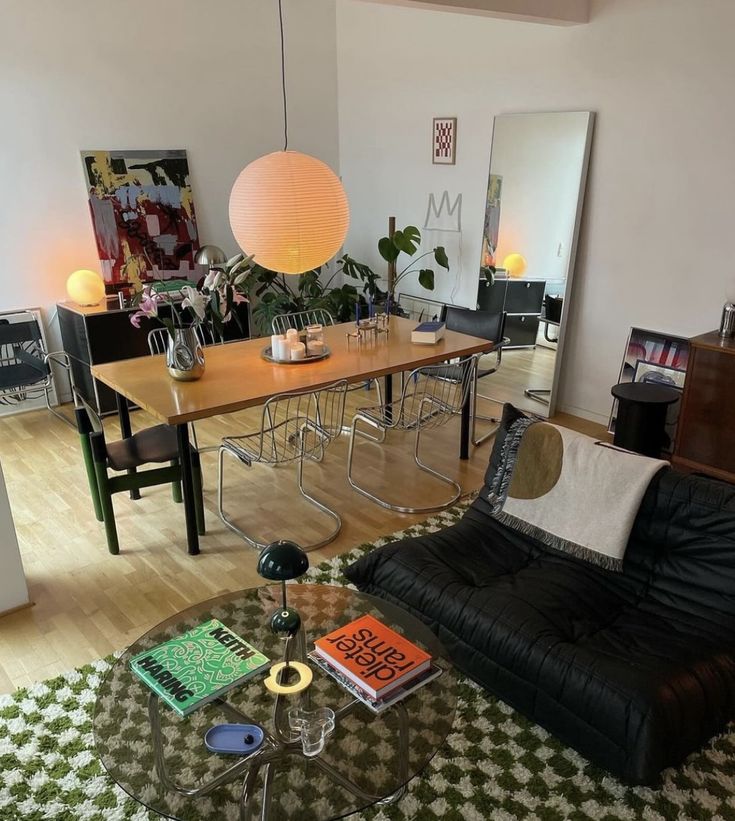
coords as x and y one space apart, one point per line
283 77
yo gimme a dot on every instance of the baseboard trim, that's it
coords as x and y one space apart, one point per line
17 608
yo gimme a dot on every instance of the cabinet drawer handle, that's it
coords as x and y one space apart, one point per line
523 319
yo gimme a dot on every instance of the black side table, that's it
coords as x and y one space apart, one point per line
641 419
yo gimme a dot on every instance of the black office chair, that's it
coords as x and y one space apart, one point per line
486 325
25 364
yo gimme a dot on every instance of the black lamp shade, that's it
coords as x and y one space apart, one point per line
281 561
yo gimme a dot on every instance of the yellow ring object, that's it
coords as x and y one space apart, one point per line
305 677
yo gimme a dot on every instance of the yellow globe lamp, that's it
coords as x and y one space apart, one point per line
515 264
290 211
85 287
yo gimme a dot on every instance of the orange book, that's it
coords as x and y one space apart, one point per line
372 655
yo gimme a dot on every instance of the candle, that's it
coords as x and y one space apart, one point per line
292 336
298 351
357 312
370 307
387 305
277 341
314 347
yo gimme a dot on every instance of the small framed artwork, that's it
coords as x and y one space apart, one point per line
444 141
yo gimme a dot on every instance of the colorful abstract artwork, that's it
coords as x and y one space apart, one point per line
491 228
142 213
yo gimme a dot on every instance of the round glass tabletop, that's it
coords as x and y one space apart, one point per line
161 760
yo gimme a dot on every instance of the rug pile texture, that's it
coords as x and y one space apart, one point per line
494 765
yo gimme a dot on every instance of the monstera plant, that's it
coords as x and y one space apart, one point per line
273 293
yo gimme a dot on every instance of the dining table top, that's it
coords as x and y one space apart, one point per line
237 376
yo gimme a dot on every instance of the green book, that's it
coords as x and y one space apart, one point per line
196 667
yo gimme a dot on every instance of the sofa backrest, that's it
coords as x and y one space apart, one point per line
685 533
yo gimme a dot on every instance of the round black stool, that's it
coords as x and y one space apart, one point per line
641 419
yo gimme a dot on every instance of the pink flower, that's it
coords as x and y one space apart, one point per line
135 319
239 298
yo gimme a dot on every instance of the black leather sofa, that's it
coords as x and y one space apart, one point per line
635 669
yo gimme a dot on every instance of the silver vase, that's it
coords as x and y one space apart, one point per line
185 355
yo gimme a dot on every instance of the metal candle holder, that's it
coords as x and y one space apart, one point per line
369 330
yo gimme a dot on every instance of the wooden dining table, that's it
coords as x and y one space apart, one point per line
237 376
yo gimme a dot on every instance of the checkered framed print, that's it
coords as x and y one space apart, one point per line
444 141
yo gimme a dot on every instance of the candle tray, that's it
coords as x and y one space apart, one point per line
267 354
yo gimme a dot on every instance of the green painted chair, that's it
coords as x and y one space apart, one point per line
154 445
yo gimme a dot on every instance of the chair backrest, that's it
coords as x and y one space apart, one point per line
301 424
433 393
88 420
485 324
419 308
22 356
299 320
158 338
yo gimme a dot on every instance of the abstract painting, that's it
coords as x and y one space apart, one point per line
142 213
444 141
491 228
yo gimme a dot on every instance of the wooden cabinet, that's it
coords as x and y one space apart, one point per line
97 334
705 438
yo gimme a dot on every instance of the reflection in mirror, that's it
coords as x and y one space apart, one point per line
538 169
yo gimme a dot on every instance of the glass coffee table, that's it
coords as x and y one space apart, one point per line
161 760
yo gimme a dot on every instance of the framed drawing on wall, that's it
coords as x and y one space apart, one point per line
653 356
444 141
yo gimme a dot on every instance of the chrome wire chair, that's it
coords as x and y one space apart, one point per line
300 319
25 364
294 427
428 399
317 316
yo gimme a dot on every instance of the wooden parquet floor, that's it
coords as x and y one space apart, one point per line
89 603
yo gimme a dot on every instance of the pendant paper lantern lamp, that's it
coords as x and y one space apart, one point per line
290 211
85 287
515 265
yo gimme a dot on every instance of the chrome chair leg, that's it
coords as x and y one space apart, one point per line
474 438
421 465
228 522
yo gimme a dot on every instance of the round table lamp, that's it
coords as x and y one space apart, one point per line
85 288
279 562
210 255
290 211
515 264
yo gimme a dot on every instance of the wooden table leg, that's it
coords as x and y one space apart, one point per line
464 435
187 483
123 414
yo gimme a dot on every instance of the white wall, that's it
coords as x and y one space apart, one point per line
166 74
656 248
13 589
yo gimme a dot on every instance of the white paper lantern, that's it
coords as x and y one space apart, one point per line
290 211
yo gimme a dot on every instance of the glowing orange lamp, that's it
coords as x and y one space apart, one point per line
290 211
85 287
515 264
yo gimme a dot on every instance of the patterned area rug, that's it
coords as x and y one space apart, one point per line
494 765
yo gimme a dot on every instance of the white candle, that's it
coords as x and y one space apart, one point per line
315 347
277 341
292 336
298 351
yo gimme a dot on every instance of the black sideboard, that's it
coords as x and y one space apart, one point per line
522 300
97 334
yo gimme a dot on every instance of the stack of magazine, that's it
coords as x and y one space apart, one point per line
378 666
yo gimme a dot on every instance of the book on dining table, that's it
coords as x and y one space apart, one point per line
194 668
428 333
373 656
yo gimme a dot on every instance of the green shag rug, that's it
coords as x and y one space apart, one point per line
494 765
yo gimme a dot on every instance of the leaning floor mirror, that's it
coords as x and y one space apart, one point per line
538 171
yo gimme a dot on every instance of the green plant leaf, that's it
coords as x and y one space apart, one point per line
407 240
440 255
388 249
426 279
